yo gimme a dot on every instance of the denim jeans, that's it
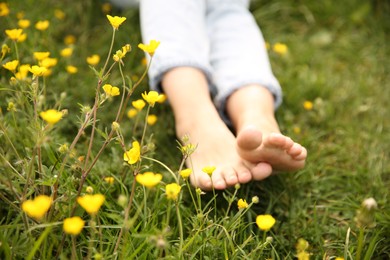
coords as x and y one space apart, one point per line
219 37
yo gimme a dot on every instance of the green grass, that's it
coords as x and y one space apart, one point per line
337 59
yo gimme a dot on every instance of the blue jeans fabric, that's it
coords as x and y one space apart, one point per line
219 37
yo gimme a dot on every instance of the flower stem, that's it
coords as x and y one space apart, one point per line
360 244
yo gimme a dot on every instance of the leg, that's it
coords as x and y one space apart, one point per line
243 72
181 66
195 114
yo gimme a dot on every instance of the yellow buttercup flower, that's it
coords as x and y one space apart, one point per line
149 48
115 21
132 112
303 255
37 208
42 25
120 54
111 91
4 10
188 149
91 203
93 60
4 50
265 222
151 119
133 155
14 34
148 179
280 48
73 225
23 71
308 105
242 204
40 55
106 8
185 173
172 191
22 37
138 104
38 70
48 62
152 97
51 116
109 180
24 23
59 14
209 170
66 52
11 65
69 39
162 98
71 69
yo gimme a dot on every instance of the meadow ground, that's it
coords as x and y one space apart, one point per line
332 60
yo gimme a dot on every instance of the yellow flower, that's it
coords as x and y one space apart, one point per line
109 180
22 37
37 207
151 119
308 105
185 173
71 69
89 189
4 50
148 179
51 116
188 149
132 113
93 60
120 54
242 204
23 71
14 34
280 48
73 225
301 245
91 203
20 15
11 65
40 55
162 98
339 258
48 62
152 97
209 170
66 52
4 10
116 21
106 8
149 48
42 25
69 39
111 91
172 191
265 222
303 255
37 70
138 104
59 14
24 23
133 155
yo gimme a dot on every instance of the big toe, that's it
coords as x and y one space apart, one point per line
249 138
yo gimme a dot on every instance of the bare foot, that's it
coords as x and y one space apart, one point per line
280 151
216 147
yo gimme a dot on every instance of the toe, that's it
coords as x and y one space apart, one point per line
230 176
218 181
295 150
261 171
302 155
243 173
249 138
